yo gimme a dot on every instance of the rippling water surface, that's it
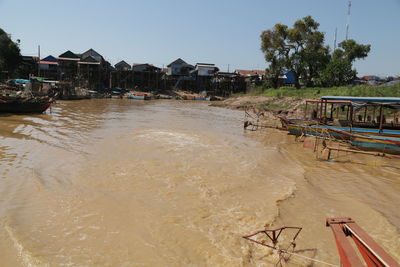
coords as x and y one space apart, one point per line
131 183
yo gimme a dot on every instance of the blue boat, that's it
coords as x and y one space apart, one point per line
377 143
139 97
302 129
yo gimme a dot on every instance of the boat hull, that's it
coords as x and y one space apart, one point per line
139 97
297 129
377 143
24 107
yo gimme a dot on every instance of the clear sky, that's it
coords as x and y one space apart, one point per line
211 31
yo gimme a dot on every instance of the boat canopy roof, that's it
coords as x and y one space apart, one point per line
361 100
329 101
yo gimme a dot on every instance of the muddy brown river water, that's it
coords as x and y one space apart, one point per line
164 183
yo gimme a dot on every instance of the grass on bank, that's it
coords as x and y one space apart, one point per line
361 90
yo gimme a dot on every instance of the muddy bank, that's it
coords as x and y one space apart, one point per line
273 106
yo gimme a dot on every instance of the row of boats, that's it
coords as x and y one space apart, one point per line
144 96
362 121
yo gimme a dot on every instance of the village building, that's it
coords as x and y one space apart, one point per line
204 70
203 74
251 74
93 70
48 67
29 66
179 68
145 67
122 65
92 53
68 65
288 78
227 83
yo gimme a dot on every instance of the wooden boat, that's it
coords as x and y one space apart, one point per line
328 107
23 106
377 143
139 97
164 97
304 129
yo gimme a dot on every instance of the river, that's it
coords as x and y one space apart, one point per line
119 182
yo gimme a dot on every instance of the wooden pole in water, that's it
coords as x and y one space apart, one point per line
320 116
381 119
305 111
337 112
373 114
325 110
365 113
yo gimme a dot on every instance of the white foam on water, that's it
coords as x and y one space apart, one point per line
24 255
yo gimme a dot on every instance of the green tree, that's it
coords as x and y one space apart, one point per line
299 49
10 56
352 50
339 70
309 55
276 52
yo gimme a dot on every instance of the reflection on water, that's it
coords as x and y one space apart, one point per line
124 182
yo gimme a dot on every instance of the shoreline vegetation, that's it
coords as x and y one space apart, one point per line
291 101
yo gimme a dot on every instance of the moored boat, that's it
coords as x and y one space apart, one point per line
139 96
377 143
22 106
304 129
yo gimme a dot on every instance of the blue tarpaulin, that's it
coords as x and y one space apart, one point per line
19 81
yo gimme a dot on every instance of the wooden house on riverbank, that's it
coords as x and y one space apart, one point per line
68 66
122 65
179 68
48 67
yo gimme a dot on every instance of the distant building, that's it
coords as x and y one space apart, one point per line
68 56
122 65
68 65
49 67
92 53
145 67
371 80
179 68
252 74
29 66
204 70
48 62
288 77
93 70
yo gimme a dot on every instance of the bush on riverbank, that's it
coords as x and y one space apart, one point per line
361 90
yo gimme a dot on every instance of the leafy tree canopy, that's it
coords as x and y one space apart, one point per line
10 56
302 50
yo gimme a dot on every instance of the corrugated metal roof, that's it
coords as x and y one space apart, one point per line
364 99
48 62
251 72
68 55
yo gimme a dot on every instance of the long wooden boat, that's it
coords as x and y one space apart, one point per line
377 143
303 129
23 106
371 142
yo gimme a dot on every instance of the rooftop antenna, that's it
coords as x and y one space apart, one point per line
348 21
335 39
39 61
